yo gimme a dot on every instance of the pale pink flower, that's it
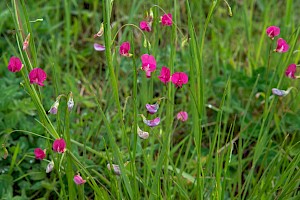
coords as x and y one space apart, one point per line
99 47
182 116
79 180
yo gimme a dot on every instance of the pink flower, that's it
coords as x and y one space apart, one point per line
99 47
39 153
153 122
182 116
148 64
79 180
273 31
142 134
116 168
124 49
145 26
37 76
282 46
179 78
14 64
291 70
165 75
152 108
166 20
59 145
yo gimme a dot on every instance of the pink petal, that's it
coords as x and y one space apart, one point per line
99 47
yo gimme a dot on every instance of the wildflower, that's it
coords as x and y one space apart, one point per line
79 180
151 123
116 168
59 145
179 78
38 76
50 167
142 134
145 26
148 64
54 108
281 93
282 46
182 116
70 102
165 75
273 31
99 47
166 20
39 153
14 64
152 108
100 32
291 70
124 49
26 42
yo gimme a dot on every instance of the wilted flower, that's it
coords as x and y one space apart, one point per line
282 46
152 108
79 180
273 31
59 145
142 134
148 64
70 102
100 32
116 168
14 64
182 116
99 47
54 108
151 123
50 167
37 76
166 19
39 153
145 26
281 93
26 42
291 70
124 49
179 78
165 75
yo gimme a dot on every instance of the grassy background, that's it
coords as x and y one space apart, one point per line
232 146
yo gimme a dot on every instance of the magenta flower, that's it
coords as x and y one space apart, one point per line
79 180
99 47
282 46
59 145
124 49
166 20
179 78
152 108
165 75
151 123
182 116
291 70
145 26
148 64
39 153
273 31
37 76
14 64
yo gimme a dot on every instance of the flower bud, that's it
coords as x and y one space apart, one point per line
50 167
54 108
70 102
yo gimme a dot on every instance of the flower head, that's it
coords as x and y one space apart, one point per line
273 31
116 168
166 20
70 102
279 92
99 47
179 78
54 108
142 134
152 108
59 145
291 70
124 49
282 46
165 75
39 153
14 64
148 64
182 116
145 26
151 123
79 180
50 167
37 76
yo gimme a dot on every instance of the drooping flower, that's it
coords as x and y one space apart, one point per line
145 26
165 75
50 167
282 46
148 64
151 123
59 145
182 116
179 78
54 108
124 49
70 102
100 32
26 42
273 31
37 76
291 70
281 93
142 134
79 180
152 108
115 168
39 153
99 47
14 64
166 20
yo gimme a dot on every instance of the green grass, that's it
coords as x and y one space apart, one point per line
235 145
